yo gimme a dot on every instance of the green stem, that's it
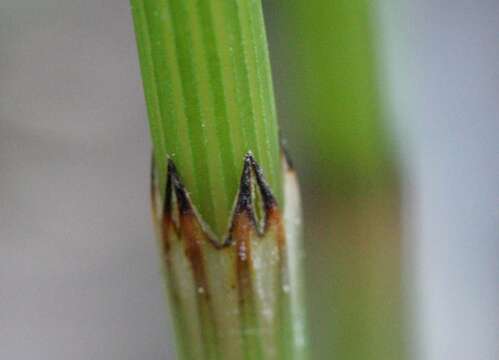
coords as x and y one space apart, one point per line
230 244
357 314
209 94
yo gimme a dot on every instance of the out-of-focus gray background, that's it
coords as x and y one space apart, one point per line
445 94
79 271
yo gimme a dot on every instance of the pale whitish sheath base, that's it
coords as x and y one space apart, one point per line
239 297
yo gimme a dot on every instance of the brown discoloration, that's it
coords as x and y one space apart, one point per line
194 237
251 171
256 228
242 228
275 222
185 237
167 220
180 219
273 216
189 228
162 220
269 201
183 201
167 228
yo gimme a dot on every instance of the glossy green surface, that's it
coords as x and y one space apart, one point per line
209 96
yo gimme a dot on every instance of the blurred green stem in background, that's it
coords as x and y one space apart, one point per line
350 175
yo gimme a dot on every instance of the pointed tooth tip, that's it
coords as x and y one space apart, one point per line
249 155
269 200
248 161
173 174
244 213
171 165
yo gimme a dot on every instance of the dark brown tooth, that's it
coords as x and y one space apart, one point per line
242 227
245 204
183 202
244 201
167 205
190 229
244 207
243 217
167 222
269 201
